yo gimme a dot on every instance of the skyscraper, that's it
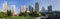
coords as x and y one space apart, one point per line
37 6
5 6
50 8
43 10
22 8
30 8
13 8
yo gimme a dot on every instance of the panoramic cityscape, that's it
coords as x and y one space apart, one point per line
29 9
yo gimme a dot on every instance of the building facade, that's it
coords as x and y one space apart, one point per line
13 10
30 8
37 6
43 10
22 9
5 6
50 8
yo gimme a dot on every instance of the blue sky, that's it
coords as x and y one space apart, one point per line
55 3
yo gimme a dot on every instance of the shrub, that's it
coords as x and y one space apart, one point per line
1 15
34 14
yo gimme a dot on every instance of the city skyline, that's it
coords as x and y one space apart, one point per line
55 3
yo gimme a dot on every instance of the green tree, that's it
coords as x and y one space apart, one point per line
1 15
34 14
22 14
42 14
9 12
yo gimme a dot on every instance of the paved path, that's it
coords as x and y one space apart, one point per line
38 17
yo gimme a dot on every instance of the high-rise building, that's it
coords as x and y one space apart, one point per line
12 9
37 6
5 6
22 8
27 10
50 8
30 8
43 10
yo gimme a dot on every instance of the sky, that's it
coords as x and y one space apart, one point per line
45 3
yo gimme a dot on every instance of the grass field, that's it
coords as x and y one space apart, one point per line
18 17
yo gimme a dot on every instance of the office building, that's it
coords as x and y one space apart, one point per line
43 10
5 6
13 10
30 8
50 8
22 8
37 6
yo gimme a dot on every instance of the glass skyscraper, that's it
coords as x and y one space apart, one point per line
50 8
30 8
37 6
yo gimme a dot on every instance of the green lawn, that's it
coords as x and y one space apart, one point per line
18 17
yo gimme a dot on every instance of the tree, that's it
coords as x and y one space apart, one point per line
9 12
42 14
22 14
3 14
34 14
